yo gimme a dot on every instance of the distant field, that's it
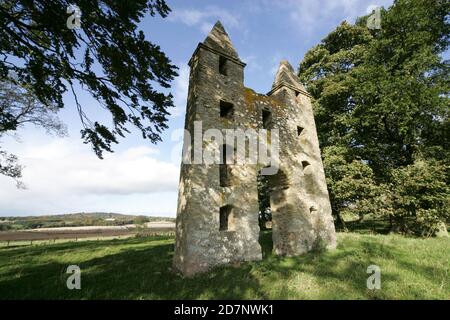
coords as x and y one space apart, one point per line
72 220
86 232
139 268
41 235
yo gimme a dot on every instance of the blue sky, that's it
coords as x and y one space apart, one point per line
63 175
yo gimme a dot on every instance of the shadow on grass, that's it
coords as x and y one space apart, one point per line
366 226
141 270
265 240
133 273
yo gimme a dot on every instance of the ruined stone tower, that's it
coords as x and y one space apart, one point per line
217 216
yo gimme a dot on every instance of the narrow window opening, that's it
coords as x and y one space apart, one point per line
297 93
224 175
223 66
267 119
226 219
312 209
299 130
226 110
226 154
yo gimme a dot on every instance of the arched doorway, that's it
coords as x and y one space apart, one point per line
272 201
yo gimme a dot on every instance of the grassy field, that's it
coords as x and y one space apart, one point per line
139 268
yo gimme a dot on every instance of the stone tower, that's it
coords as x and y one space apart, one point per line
217 215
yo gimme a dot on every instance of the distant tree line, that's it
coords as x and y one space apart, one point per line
75 220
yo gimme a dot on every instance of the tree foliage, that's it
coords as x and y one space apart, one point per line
417 197
382 109
265 212
108 56
10 167
18 106
350 182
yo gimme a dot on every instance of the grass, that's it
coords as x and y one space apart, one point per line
139 268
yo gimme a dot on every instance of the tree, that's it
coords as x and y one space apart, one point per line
418 197
17 107
382 96
108 56
10 167
141 220
265 213
351 185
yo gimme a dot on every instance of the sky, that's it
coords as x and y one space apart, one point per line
63 175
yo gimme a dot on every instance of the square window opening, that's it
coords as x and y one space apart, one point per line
226 157
224 175
226 219
267 119
223 66
305 164
226 110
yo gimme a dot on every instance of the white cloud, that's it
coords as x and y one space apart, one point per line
204 19
189 17
252 62
64 175
206 27
180 91
371 8
309 15
275 63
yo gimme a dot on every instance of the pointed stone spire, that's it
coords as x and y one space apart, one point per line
219 40
286 76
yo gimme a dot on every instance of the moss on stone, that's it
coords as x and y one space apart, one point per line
252 98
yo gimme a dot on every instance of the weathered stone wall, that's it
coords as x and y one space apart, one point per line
299 199
301 215
200 243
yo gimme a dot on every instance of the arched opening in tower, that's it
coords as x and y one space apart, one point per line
273 203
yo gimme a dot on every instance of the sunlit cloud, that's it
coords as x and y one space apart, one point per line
65 175
180 90
204 19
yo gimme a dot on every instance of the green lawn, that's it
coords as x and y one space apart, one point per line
139 268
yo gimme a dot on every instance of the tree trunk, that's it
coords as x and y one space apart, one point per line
340 221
